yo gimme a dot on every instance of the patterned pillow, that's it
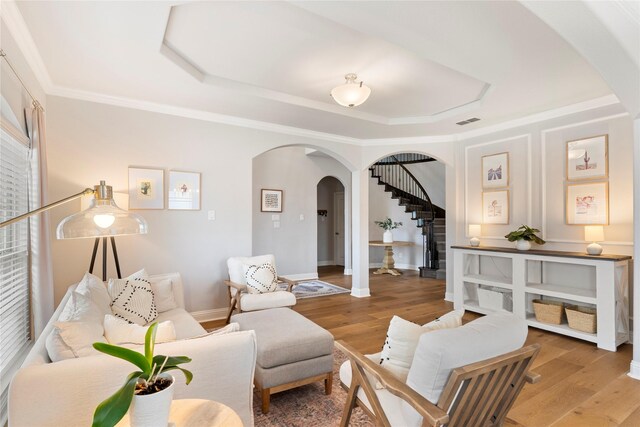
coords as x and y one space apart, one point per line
132 300
260 278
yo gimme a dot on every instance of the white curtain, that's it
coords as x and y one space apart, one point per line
40 242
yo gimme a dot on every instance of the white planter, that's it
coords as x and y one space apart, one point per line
523 245
152 409
387 237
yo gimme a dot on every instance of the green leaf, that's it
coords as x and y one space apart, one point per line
125 354
187 374
111 410
150 342
171 360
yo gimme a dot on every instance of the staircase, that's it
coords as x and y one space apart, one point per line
391 173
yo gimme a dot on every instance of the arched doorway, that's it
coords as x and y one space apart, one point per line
331 222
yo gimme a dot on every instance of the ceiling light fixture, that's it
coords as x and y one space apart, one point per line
352 93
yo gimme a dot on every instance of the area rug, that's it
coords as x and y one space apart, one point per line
308 406
316 288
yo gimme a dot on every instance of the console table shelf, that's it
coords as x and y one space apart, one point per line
600 282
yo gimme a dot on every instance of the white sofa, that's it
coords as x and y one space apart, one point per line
66 393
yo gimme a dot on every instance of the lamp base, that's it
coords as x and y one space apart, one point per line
474 241
594 249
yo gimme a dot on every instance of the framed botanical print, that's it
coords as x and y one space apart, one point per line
588 204
184 190
495 207
146 188
588 158
495 170
270 200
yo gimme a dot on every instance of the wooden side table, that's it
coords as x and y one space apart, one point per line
388 262
197 413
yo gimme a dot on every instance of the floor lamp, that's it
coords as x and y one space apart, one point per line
103 219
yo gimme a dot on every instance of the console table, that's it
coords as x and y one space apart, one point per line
597 281
388 263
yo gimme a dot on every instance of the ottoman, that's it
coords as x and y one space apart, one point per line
292 351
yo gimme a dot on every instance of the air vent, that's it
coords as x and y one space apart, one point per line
466 122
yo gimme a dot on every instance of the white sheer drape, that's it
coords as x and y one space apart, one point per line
40 241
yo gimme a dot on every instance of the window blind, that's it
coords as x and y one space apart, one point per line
15 316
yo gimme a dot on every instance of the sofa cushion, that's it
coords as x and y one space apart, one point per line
439 352
254 302
163 294
260 279
402 339
132 300
118 331
184 323
94 288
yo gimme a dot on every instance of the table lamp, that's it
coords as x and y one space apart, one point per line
475 230
594 233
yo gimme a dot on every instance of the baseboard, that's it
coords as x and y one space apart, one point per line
326 263
348 271
209 315
448 296
635 370
396 265
360 293
302 276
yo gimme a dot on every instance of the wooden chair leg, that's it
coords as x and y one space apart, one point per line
328 383
232 307
266 399
349 404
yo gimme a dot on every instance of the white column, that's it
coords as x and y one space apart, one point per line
349 240
635 362
360 230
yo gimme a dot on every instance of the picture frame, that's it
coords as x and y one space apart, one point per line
146 188
588 204
271 200
495 170
183 191
588 158
495 207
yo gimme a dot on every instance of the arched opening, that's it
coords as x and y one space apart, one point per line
331 228
408 188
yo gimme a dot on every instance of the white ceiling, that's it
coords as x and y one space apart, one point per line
429 64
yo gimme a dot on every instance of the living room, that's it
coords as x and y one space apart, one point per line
217 89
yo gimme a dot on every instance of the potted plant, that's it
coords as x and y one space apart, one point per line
388 225
523 237
148 391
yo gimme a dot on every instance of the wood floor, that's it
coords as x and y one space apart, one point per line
581 385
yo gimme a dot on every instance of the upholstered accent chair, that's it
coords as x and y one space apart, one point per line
466 376
241 297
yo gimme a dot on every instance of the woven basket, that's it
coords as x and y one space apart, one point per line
548 311
582 318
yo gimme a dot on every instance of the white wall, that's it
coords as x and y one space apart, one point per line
327 187
289 169
431 176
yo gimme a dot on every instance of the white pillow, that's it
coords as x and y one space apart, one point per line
132 300
260 278
94 288
118 331
402 339
163 295
75 335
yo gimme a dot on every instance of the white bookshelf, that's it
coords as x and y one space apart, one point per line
601 282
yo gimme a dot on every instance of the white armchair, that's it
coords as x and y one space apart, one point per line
242 300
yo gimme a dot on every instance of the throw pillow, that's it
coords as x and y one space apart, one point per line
94 288
74 335
118 331
132 300
260 278
163 295
402 340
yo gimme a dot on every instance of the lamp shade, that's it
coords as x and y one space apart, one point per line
351 94
593 233
103 218
475 230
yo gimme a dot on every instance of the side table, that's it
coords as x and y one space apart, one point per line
388 263
197 413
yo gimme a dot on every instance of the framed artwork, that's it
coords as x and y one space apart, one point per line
184 191
495 207
588 204
495 170
588 158
146 188
271 200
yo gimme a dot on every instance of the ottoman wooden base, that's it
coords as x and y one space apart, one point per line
266 393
